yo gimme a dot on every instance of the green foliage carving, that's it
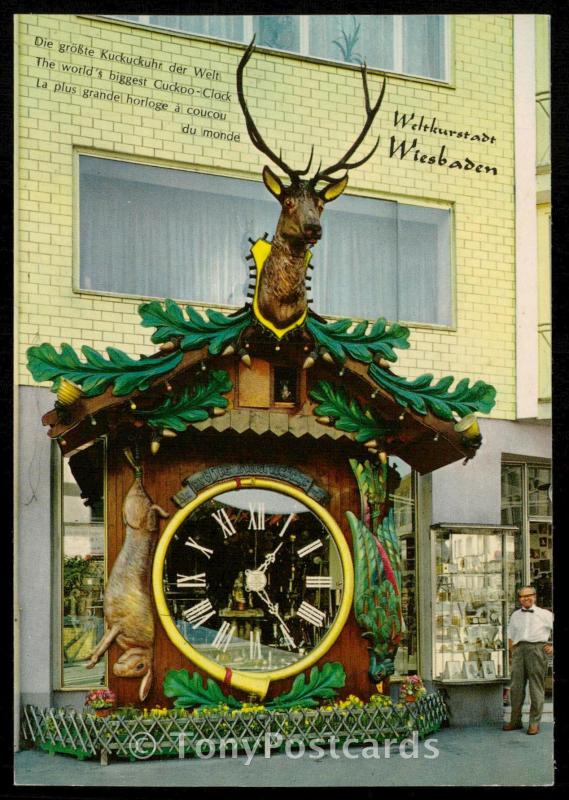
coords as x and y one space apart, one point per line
389 546
95 374
422 396
346 413
217 332
357 344
377 598
190 691
372 483
377 567
322 684
372 480
192 405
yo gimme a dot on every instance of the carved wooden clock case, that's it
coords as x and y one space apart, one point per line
254 578
253 571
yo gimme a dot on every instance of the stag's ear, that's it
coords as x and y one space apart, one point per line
273 183
334 190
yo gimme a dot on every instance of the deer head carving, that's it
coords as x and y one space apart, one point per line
281 292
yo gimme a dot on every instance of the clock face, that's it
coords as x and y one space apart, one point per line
253 578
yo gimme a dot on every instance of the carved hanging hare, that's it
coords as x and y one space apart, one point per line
128 606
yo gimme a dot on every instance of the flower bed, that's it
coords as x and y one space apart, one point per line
141 734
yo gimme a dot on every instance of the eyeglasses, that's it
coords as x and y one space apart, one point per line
525 596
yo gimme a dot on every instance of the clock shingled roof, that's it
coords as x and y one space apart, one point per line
424 441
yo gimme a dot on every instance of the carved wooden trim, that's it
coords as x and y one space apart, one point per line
195 483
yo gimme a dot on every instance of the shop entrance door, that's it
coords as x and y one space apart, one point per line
540 547
540 563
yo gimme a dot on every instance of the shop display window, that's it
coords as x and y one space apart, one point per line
82 566
477 573
406 658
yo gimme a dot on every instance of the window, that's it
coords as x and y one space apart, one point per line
404 511
411 44
158 232
83 566
526 502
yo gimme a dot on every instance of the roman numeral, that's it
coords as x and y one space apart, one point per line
318 582
224 522
311 614
205 550
224 636
191 581
304 551
257 512
285 526
198 614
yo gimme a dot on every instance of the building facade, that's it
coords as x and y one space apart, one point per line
136 180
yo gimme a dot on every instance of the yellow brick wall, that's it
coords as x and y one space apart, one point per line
306 103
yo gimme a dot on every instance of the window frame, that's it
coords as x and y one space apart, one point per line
524 464
213 172
396 678
448 49
58 532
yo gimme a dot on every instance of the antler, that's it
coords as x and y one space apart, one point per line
343 163
254 134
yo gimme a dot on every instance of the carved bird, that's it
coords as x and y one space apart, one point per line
377 597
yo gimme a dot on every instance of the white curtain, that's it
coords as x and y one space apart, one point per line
424 265
352 38
415 44
159 232
423 45
356 260
279 31
168 233
221 26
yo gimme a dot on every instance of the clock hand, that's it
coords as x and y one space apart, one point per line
269 559
273 609
256 580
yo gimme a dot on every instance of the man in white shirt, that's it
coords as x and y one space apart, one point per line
529 634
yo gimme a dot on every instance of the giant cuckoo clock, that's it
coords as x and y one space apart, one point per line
250 527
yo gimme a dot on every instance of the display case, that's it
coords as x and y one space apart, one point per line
478 569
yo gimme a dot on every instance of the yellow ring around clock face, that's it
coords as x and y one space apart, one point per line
248 681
